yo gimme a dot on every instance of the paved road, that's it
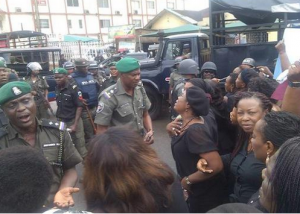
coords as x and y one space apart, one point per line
161 146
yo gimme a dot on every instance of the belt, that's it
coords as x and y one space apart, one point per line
64 120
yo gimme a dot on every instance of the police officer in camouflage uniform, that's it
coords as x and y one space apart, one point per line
39 89
114 76
174 76
90 89
188 69
126 102
50 138
69 108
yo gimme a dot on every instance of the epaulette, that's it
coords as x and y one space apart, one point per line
24 78
43 77
109 91
74 86
140 83
53 124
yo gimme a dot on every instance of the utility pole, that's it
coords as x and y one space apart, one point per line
37 15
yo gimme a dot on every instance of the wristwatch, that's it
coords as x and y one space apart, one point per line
294 84
188 181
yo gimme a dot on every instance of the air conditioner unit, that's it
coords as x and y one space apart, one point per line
117 12
135 12
86 11
18 10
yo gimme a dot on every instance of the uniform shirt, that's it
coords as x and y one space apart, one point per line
174 77
47 141
116 107
40 85
107 83
67 100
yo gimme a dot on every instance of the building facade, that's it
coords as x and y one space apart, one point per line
79 17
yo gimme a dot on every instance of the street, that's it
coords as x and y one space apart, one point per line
161 145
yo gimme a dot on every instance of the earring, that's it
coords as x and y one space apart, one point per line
268 158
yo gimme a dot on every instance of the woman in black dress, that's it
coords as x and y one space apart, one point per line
195 141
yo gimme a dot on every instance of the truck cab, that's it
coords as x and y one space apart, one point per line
155 73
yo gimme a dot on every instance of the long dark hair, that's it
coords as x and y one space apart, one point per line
265 104
285 178
122 174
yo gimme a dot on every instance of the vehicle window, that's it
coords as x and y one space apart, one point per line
204 50
173 50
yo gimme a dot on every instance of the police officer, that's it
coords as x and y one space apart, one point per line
39 89
208 70
174 77
126 102
69 108
69 66
94 70
50 138
89 88
188 69
114 76
247 63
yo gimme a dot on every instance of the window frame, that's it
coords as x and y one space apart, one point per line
73 3
102 21
43 24
70 23
103 3
80 23
152 3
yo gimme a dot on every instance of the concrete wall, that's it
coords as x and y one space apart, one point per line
168 21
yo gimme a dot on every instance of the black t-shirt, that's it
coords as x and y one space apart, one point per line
187 150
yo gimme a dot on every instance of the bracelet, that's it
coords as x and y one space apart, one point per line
188 181
294 84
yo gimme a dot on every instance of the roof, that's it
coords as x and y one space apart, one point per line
42 49
196 15
165 11
177 30
202 35
74 38
21 34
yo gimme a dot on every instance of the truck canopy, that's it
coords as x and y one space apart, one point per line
257 11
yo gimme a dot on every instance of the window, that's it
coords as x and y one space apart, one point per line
135 4
137 23
104 23
173 50
42 2
1 25
72 3
103 3
80 23
170 5
69 23
150 5
44 23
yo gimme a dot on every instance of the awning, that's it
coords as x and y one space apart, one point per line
177 30
74 38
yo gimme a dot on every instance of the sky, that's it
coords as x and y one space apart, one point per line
196 4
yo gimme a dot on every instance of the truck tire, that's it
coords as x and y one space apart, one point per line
156 102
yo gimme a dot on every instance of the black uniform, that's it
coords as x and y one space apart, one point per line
107 83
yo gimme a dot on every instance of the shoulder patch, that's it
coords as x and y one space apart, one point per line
100 107
74 86
43 77
53 124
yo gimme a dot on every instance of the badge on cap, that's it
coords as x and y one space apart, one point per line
100 107
16 91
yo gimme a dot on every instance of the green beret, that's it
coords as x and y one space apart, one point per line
2 64
112 64
13 90
127 65
60 71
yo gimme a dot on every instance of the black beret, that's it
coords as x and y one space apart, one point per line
198 101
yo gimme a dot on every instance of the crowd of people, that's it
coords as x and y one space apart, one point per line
235 141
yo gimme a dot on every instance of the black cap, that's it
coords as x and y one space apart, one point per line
198 101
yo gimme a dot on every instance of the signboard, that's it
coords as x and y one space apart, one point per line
120 31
